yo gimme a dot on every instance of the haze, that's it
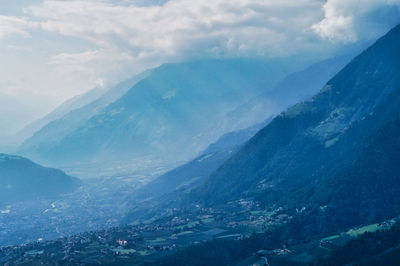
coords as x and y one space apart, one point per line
53 50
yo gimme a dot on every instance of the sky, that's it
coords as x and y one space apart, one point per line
51 50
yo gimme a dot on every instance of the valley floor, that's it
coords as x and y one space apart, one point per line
243 231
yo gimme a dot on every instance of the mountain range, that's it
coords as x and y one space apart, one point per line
333 153
165 110
70 116
324 166
75 102
174 106
191 174
338 151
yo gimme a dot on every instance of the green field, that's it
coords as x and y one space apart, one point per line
330 238
144 253
208 220
362 230
184 233
188 225
157 240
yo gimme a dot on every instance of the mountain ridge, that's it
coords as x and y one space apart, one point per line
163 111
21 179
358 101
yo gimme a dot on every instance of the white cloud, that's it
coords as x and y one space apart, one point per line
80 44
183 26
13 25
93 65
351 20
129 38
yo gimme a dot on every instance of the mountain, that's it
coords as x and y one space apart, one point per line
174 109
186 177
292 89
338 152
226 145
20 126
192 173
68 106
70 116
12 141
302 85
21 179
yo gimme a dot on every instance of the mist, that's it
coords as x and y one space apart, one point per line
175 132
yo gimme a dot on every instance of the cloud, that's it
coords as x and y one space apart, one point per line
80 44
176 28
13 25
182 26
352 20
136 37
92 65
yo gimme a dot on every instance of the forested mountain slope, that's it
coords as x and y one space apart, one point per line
339 149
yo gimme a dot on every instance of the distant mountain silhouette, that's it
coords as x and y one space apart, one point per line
21 179
174 112
51 129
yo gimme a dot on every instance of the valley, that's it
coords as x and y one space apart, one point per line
224 157
167 240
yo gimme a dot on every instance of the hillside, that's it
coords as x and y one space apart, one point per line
48 131
66 107
302 191
294 88
338 150
171 113
193 173
21 179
